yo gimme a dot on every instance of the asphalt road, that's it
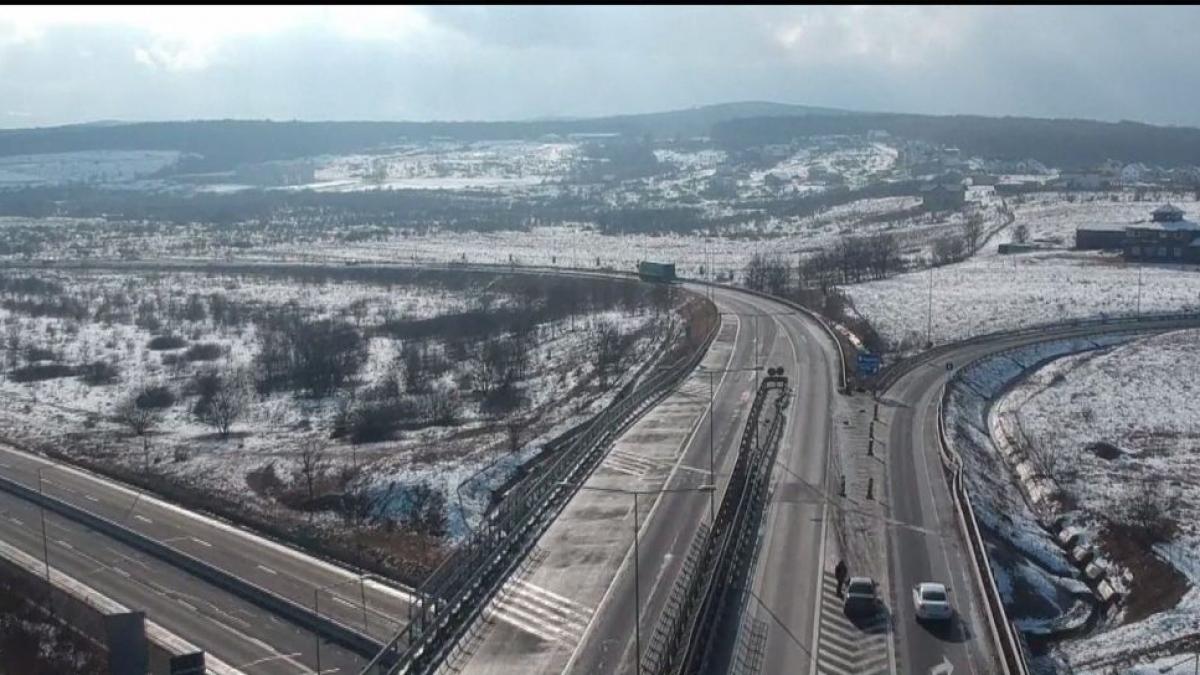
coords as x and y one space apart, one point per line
232 629
924 540
786 581
281 569
804 351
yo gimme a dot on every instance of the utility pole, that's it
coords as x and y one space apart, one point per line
712 478
929 326
316 631
1139 292
45 543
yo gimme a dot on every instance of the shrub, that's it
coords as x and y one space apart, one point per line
165 342
34 354
37 373
373 422
204 351
155 398
100 372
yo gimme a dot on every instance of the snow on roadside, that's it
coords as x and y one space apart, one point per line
1033 574
1140 398
983 295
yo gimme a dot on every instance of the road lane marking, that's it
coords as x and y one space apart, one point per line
64 544
144 519
386 588
682 453
202 542
120 571
266 659
91 498
266 569
18 521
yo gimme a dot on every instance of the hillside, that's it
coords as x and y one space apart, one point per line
226 143
1055 142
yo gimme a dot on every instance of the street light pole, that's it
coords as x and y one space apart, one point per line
712 463
1139 293
637 582
45 540
637 592
929 327
317 632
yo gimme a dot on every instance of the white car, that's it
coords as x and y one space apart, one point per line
931 601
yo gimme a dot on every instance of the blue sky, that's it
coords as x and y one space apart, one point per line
72 64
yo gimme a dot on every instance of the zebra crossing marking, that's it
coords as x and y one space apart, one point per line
846 648
540 612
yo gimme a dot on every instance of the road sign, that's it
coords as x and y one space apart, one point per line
868 364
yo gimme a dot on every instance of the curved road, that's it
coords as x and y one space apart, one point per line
923 539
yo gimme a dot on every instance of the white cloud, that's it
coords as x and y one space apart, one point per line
192 37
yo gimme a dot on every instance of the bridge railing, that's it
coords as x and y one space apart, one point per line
459 589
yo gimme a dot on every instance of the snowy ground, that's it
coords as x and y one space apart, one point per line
1053 217
995 293
1138 398
1031 570
92 167
561 387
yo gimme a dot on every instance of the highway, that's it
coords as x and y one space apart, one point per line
807 356
923 539
278 568
903 534
226 626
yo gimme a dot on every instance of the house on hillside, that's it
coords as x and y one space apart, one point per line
1168 237
943 196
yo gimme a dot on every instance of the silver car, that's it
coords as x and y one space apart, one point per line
931 602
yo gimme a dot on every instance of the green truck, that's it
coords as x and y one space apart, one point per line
652 271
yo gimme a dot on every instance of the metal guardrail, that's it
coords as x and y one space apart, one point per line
303 616
901 368
812 315
1004 635
458 591
683 634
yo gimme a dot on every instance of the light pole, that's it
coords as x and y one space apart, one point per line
756 315
45 541
637 584
929 326
1139 293
317 631
317 610
712 472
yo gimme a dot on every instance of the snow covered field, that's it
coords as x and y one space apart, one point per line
94 167
1140 399
995 293
1031 570
491 165
1054 216
94 317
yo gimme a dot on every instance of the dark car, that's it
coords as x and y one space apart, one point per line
862 597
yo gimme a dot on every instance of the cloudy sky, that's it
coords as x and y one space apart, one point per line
73 64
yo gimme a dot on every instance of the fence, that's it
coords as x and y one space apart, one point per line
455 593
685 632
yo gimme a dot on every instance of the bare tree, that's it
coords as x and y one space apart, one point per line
1021 233
607 348
140 420
225 403
312 461
972 231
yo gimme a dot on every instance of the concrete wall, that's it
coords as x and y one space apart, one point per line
85 609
